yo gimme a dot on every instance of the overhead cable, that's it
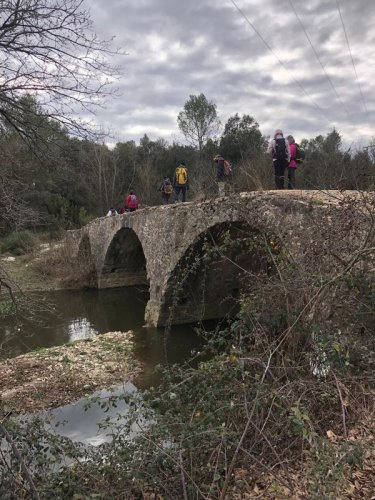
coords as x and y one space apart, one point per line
318 59
351 57
298 83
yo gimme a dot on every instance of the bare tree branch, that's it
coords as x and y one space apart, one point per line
48 49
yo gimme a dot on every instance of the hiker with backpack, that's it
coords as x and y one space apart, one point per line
181 182
223 173
132 202
166 189
279 148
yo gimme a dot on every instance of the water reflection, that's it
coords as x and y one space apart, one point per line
79 314
80 329
68 315
80 422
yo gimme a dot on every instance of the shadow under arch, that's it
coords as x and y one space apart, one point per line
86 272
209 278
125 262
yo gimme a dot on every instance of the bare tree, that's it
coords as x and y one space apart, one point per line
15 214
48 49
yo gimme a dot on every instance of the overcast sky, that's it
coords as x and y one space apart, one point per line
296 73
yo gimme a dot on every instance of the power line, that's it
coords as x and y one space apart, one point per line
318 59
299 84
351 57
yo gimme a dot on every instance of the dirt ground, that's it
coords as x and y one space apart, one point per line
52 377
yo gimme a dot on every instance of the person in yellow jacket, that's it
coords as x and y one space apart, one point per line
181 182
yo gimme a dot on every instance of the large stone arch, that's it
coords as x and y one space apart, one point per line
124 262
207 281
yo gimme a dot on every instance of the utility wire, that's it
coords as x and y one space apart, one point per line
351 57
299 84
318 59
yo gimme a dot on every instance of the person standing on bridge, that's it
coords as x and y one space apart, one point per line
292 167
132 202
181 182
166 190
280 151
223 174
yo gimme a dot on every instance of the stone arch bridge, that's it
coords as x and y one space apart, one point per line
194 256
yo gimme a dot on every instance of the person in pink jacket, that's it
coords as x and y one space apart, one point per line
292 166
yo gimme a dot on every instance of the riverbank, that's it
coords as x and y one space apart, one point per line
34 271
49 378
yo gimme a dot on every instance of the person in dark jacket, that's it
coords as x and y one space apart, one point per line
278 147
221 178
166 189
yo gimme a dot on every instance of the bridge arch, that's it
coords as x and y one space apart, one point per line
124 261
208 279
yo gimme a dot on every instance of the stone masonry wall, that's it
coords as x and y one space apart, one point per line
146 246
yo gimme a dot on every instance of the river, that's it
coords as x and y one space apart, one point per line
65 316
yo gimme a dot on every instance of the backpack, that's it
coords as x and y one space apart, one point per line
228 172
167 188
300 154
181 176
133 201
280 149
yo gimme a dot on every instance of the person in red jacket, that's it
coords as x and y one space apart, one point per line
132 202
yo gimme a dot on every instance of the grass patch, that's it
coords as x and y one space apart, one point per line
18 243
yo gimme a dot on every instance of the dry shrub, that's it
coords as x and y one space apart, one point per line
69 272
254 175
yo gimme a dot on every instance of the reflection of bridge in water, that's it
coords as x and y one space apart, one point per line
194 256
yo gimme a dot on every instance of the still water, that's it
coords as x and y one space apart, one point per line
69 315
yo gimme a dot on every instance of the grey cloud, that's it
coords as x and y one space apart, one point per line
210 48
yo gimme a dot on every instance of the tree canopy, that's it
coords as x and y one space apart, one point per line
198 121
241 138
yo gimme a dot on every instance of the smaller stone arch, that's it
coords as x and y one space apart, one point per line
208 279
124 262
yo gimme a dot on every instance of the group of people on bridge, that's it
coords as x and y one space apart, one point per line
180 182
176 189
286 155
131 204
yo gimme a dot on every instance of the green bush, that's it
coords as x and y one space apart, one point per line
18 243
